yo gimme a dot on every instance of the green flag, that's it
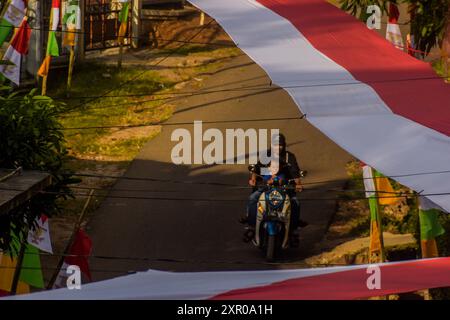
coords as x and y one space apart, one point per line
31 267
123 15
5 30
430 227
31 271
52 45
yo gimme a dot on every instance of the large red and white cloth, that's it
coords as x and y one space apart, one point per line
384 107
350 282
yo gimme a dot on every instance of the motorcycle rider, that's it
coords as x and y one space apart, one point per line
286 169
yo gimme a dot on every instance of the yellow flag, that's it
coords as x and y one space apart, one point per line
7 269
45 66
122 32
375 244
429 248
385 192
69 37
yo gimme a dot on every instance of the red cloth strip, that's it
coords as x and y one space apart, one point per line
352 284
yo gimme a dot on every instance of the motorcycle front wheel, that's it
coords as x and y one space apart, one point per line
271 248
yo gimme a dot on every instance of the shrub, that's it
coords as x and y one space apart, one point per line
31 137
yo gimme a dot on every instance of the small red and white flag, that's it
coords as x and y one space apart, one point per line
393 33
40 237
78 255
55 13
14 53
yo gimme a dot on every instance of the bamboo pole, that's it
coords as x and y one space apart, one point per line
375 257
44 78
71 62
69 243
119 61
202 18
18 269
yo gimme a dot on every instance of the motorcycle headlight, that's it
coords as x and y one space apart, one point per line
275 198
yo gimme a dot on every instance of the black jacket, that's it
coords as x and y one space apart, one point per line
288 165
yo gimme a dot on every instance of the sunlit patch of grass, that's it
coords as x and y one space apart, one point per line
127 104
133 97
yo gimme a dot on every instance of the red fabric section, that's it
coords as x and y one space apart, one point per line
352 284
408 86
43 218
22 38
4 293
394 14
81 248
56 3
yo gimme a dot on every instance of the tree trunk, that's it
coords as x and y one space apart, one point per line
445 46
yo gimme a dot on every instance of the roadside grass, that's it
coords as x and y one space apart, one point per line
147 99
119 108
353 215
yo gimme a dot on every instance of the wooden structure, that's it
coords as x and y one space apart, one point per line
101 24
18 187
99 27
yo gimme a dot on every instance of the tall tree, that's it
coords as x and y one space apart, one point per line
430 23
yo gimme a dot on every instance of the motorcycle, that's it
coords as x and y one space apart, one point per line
272 230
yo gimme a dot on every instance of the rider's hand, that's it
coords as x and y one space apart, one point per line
252 182
298 188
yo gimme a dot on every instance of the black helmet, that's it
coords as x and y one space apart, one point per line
282 140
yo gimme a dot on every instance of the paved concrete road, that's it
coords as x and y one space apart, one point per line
205 235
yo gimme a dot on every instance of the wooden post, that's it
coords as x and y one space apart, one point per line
376 256
44 78
119 61
18 267
71 62
69 243
136 7
44 85
81 44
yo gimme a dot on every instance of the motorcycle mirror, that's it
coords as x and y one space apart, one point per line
303 173
252 168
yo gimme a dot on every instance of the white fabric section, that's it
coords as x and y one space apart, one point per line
55 19
73 12
161 285
369 184
425 204
12 72
15 12
40 237
349 112
394 35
